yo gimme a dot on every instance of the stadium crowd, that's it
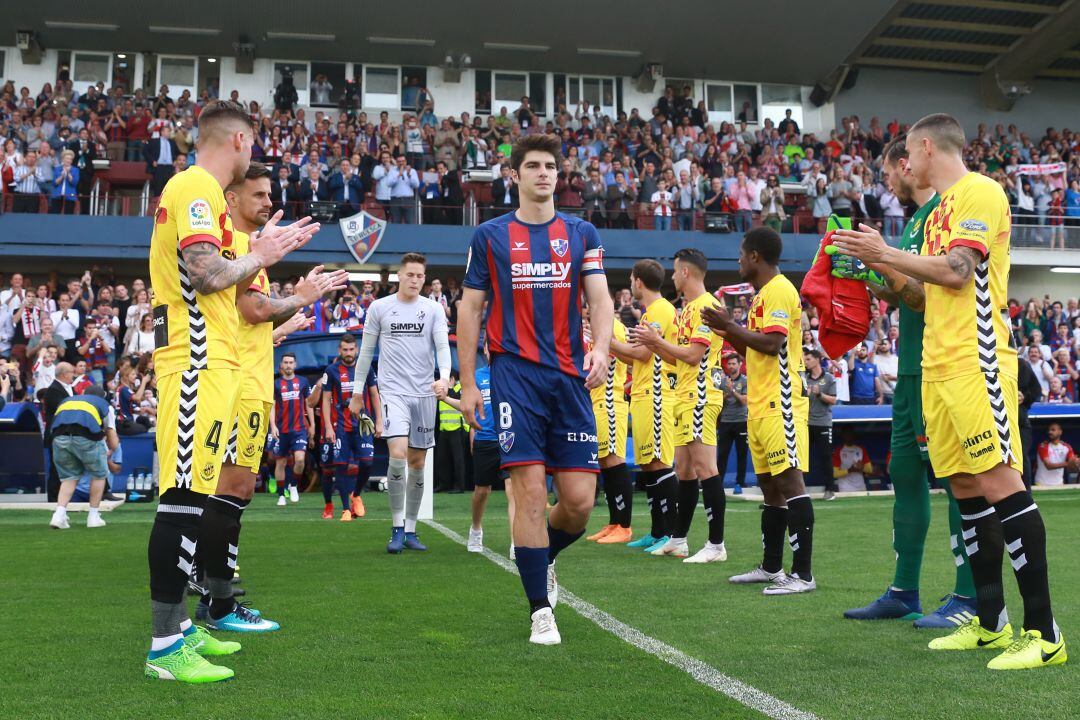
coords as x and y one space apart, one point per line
670 169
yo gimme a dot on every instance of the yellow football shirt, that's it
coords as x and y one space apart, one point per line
191 330
655 373
699 382
616 378
257 341
774 383
967 330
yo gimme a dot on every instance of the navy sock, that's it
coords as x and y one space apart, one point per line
290 480
559 540
532 567
363 474
345 483
328 488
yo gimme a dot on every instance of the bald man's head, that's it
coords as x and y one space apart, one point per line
65 372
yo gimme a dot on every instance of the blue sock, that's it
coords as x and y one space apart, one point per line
532 567
155 654
345 484
363 474
290 479
559 540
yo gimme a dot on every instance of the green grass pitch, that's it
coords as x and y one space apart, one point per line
444 634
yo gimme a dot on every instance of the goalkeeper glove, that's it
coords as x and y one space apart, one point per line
367 425
848 267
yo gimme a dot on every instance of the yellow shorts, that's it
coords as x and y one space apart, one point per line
196 409
778 444
248 437
649 428
611 429
695 422
972 423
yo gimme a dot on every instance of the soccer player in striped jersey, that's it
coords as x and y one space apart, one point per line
249 206
969 391
778 410
198 369
612 415
532 265
699 397
652 396
292 425
351 436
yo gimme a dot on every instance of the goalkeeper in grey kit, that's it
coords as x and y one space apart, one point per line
413 341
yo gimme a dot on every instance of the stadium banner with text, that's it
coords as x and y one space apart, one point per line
362 232
1036 169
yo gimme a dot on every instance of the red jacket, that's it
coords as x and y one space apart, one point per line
843 305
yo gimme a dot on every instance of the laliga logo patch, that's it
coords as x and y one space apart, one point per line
560 246
199 215
506 440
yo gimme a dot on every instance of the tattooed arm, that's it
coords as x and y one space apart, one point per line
209 272
898 288
259 308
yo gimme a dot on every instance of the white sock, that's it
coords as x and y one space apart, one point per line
60 510
160 643
185 624
95 512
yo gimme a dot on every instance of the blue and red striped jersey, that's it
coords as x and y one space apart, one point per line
338 381
532 275
125 403
289 397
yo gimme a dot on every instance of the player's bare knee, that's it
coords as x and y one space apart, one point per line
298 466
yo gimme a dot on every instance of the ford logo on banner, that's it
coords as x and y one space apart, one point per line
362 233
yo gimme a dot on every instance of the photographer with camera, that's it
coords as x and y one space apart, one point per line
285 96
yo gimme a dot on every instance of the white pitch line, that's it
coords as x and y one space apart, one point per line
698 670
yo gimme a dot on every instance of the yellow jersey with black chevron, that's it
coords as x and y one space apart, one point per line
699 384
612 389
257 340
774 383
655 375
191 331
967 330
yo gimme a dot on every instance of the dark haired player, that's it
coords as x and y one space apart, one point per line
778 412
291 427
532 266
350 435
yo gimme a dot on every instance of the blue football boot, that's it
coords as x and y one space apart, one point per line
893 605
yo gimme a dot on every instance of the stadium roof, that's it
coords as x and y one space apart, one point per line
1006 42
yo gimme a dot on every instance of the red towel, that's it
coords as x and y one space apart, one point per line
843 305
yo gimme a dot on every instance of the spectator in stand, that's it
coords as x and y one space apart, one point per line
620 198
160 153
595 198
1056 394
133 315
893 213
65 186
1041 368
10 381
504 192
841 193
346 189
687 201
1064 368
43 371
92 347
131 392
866 385
86 153
437 295
142 340
887 365
28 181
628 312
772 204
312 189
45 340
403 182
742 195
821 386
348 315
662 204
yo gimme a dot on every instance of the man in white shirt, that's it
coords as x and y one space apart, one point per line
66 320
1055 456
12 298
755 184
888 366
